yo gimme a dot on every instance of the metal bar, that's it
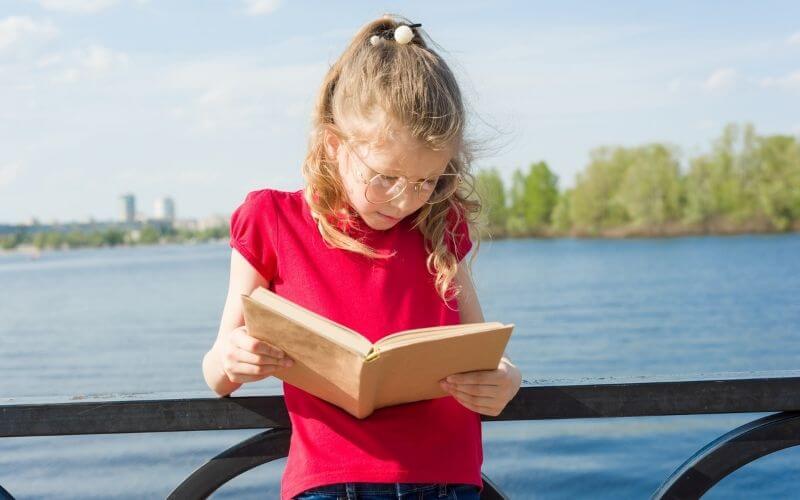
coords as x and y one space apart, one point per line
730 452
252 452
689 397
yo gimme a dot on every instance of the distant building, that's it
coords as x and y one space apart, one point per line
164 209
128 208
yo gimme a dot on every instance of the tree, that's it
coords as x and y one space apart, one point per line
490 188
778 185
149 235
720 184
533 198
594 204
541 196
561 218
515 222
651 190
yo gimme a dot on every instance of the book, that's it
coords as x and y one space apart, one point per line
344 368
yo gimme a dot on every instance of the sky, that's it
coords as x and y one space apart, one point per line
204 101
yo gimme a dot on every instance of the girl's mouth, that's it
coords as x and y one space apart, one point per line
393 219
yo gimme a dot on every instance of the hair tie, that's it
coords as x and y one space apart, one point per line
402 34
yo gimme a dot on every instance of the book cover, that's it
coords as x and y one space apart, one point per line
342 367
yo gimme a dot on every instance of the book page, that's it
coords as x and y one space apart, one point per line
313 321
422 334
411 372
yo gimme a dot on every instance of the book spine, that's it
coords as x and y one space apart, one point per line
368 381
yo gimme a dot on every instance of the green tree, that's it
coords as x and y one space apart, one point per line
112 237
594 204
533 197
541 196
490 188
561 218
720 184
515 221
149 235
778 184
651 190
11 241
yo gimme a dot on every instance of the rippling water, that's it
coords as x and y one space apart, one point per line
140 320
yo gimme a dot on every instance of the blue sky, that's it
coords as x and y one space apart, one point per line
207 100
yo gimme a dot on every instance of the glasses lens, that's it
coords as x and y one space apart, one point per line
439 188
383 188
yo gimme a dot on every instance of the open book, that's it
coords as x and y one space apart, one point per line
342 367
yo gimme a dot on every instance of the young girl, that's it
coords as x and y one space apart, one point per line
375 242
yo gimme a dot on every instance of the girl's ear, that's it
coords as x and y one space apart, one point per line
331 142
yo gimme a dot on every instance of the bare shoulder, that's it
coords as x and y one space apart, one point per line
244 278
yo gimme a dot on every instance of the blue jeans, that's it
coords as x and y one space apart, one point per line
391 491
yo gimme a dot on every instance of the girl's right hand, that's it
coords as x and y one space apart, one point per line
247 359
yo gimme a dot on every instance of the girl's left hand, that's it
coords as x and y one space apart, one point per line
486 392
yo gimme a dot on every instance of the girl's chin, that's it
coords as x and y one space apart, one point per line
383 221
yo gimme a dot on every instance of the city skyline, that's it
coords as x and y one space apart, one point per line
164 209
103 97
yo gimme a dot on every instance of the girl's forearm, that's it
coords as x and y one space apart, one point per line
215 376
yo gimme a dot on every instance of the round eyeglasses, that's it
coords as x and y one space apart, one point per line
383 188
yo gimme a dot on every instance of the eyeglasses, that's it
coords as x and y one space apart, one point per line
383 188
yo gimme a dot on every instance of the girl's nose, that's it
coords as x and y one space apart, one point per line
405 200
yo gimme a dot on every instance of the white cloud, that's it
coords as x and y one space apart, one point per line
237 91
790 81
94 60
259 7
17 29
720 79
8 173
98 58
794 39
77 6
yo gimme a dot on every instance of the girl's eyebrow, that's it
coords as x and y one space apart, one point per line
391 171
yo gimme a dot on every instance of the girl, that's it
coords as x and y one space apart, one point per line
374 241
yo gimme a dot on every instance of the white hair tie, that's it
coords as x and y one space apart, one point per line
402 34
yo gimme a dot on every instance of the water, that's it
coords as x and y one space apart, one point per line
140 319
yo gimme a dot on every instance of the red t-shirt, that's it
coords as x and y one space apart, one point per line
434 441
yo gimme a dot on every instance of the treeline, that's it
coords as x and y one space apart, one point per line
111 237
746 183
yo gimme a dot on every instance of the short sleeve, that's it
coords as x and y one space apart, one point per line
458 241
253 227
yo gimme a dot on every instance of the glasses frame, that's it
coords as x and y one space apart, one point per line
406 181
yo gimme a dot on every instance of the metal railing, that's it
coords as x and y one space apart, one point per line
777 393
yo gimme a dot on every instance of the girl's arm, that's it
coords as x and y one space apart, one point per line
468 305
234 353
486 392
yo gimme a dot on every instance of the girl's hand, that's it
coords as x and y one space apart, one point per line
247 359
486 392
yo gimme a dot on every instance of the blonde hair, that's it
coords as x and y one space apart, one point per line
416 89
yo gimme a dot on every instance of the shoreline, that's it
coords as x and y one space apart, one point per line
609 234
35 252
664 231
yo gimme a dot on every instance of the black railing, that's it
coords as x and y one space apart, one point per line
136 413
